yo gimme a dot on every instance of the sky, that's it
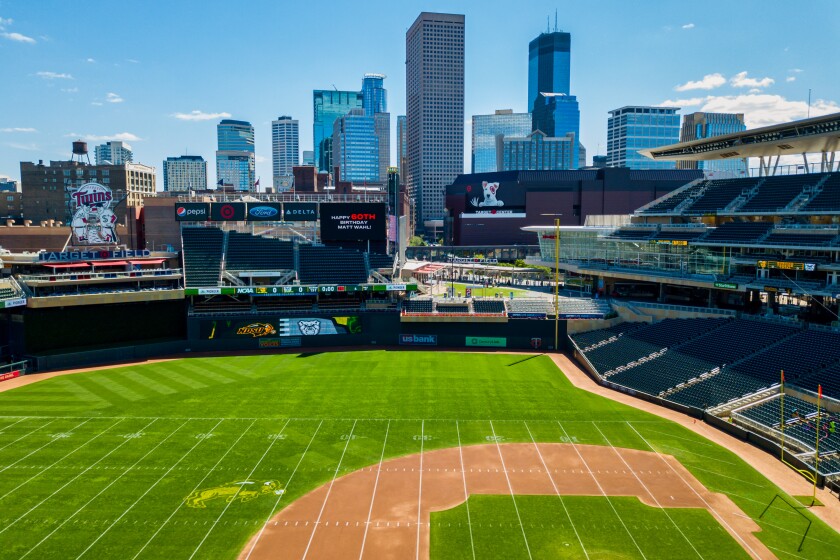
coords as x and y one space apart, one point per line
160 75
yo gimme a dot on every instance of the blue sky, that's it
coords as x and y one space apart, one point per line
150 72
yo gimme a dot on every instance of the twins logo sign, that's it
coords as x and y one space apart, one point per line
93 221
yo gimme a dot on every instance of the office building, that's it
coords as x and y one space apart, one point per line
382 130
535 151
599 162
184 173
698 126
285 151
355 148
401 146
235 159
113 152
634 128
374 95
549 66
7 184
485 129
308 158
435 110
329 105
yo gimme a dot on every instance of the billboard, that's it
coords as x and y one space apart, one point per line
93 221
264 211
353 221
491 341
227 211
269 329
418 339
300 212
495 198
192 211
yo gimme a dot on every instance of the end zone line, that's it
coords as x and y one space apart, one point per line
327 497
200 482
34 451
601 488
512 497
280 497
238 490
420 490
556 490
149 489
466 494
31 432
708 505
373 495
645 486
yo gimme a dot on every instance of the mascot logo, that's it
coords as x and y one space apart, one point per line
489 196
93 221
257 329
244 491
310 328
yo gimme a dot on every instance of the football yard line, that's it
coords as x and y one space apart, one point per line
512 497
87 503
652 497
238 490
556 490
197 486
373 495
42 471
280 497
420 491
27 433
34 451
4 428
466 495
327 497
123 514
598 484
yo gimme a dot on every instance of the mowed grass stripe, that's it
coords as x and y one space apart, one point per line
207 373
123 392
172 373
155 385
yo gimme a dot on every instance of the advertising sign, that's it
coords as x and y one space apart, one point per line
69 256
17 302
279 328
298 290
787 265
526 315
495 342
263 211
495 198
192 211
9 375
227 211
300 211
93 222
726 285
418 339
353 221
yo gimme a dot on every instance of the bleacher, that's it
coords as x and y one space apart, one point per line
682 234
774 193
828 378
202 255
829 198
455 308
488 306
727 385
719 194
418 305
669 204
254 252
378 260
800 418
632 234
604 336
808 352
530 305
583 306
331 265
737 232
799 237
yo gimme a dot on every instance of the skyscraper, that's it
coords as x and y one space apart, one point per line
285 152
434 46
113 152
401 146
328 105
374 95
485 128
184 173
535 151
382 130
697 126
308 158
355 147
235 160
630 129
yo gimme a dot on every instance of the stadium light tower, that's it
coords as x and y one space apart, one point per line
556 277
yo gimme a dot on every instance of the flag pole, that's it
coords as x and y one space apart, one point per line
817 455
782 409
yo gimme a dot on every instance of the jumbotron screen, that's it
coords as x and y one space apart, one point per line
353 221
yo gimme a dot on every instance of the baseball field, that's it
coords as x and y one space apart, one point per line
370 454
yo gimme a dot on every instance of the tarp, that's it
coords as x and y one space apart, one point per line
66 265
109 263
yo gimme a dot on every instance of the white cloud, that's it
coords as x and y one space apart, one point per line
113 98
260 159
91 60
201 116
795 70
754 90
765 109
690 102
18 129
741 80
70 90
124 136
54 76
709 81
31 147
96 103
790 79
688 26
18 38
132 60
5 22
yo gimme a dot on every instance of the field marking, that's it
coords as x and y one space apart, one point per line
708 505
327 497
34 451
238 490
149 489
466 494
77 476
200 482
280 497
32 431
334 419
420 489
373 495
601 488
556 490
42 471
512 497
645 486
4 428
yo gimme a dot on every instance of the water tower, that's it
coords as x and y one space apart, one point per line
80 152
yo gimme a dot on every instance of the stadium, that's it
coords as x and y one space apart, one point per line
284 381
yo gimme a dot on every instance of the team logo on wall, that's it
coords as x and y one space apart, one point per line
490 199
93 222
310 328
536 343
257 329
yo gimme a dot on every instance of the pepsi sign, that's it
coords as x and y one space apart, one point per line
263 211
192 212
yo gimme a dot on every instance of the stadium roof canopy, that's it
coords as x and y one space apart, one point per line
808 136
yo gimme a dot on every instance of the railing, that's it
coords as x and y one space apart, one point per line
286 197
139 274
686 308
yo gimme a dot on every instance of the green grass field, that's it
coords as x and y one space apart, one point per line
98 464
493 291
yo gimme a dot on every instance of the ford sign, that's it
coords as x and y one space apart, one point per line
263 212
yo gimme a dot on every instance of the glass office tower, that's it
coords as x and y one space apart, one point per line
356 147
329 105
375 98
549 65
485 128
630 129
698 126
235 160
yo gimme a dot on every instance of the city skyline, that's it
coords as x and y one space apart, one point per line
65 86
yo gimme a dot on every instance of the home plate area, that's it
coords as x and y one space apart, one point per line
383 511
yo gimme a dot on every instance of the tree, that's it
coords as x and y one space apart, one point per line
416 241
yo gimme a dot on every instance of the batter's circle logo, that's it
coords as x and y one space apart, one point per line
227 212
181 211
